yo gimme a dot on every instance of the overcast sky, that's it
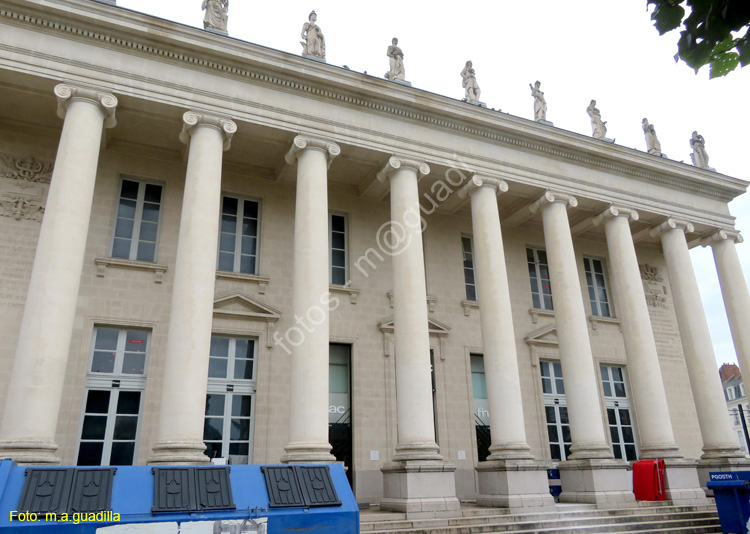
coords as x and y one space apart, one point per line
579 50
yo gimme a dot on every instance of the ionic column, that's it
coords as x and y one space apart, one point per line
183 396
417 483
416 429
716 430
308 403
733 290
500 359
646 385
579 374
27 434
510 477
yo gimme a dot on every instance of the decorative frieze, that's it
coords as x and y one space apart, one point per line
653 286
19 208
22 193
25 170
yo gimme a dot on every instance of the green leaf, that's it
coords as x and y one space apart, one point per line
723 64
698 56
725 46
667 17
744 49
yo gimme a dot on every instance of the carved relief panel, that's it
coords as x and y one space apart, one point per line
23 187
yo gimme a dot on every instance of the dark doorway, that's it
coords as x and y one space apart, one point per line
340 405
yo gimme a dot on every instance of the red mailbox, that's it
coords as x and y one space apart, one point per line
649 480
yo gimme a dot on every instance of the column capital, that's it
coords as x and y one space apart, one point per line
67 93
191 119
670 224
724 234
615 211
553 197
303 142
478 181
396 163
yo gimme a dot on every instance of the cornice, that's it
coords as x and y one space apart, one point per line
135 31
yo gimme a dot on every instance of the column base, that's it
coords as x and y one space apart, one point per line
417 452
420 489
706 466
606 483
683 485
308 453
510 451
178 452
590 451
30 451
659 452
514 484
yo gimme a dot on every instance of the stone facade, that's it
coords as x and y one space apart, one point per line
305 139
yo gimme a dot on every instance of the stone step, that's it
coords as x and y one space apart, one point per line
369 525
705 519
689 526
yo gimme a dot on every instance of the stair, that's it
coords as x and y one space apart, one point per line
565 519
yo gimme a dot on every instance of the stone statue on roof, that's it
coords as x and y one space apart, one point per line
699 155
598 127
653 146
470 84
540 104
313 43
396 61
216 15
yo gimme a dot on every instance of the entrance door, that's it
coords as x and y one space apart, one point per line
340 405
556 410
481 407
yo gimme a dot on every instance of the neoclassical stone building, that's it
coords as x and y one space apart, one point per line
214 249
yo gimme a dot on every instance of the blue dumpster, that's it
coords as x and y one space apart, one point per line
732 495
283 499
555 489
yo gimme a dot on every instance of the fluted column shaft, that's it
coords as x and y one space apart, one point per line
718 438
308 406
416 430
734 291
498 337
29 422
579 374
646 385
183 396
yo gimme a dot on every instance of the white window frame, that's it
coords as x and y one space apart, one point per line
114 382
119 354
730 393
331 215
135 237
538 277
612 402
472 268
596 303
555 400
238 234
229 387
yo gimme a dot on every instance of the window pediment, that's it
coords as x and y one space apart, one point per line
242 306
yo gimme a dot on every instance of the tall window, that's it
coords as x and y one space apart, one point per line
230 406
618 413
114 397
481 407
238 238
340 404
598 294
337 250
468 251
541 293
556 410
137 224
